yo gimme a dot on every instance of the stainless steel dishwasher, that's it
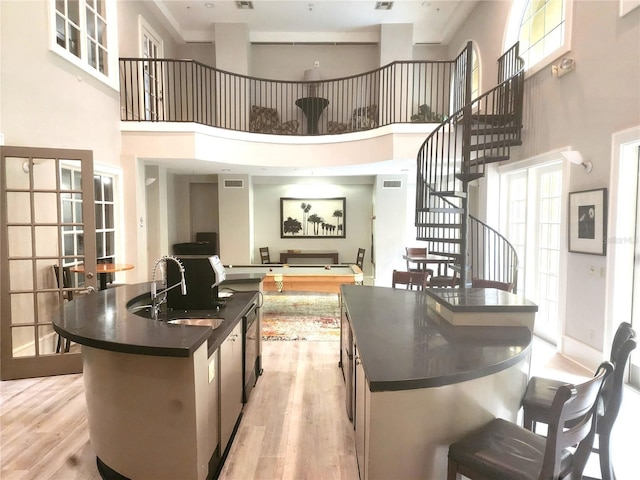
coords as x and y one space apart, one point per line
250 350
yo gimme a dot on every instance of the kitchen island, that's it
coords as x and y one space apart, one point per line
416 383
163 400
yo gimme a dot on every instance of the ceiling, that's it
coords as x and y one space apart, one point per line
314 21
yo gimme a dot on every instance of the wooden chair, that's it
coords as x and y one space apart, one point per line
482 283
506 451
360 258
66 295
419 280
264 255
539 395
415 252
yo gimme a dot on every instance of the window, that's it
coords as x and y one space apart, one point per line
543 29
83 34
71 211
475 72
105 217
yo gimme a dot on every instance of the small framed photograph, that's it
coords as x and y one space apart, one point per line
588 221
313 217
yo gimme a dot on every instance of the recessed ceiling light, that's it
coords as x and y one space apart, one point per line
244 5
208 5
225 170
384 5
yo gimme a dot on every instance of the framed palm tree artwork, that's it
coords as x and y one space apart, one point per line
313 217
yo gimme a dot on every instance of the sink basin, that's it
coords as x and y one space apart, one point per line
213 323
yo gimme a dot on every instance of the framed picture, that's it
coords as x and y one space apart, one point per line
588 221
313 217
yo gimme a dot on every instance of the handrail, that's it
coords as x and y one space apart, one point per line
479 132
165 90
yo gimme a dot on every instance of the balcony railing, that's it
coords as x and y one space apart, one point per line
161 90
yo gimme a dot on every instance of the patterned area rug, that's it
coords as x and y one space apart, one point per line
301 316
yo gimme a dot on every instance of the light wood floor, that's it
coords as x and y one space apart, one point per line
295 426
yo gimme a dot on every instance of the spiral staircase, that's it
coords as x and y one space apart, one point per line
480 132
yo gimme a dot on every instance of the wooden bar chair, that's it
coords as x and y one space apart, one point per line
539 396
412 280
506 451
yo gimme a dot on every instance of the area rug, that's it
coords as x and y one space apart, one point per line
301 316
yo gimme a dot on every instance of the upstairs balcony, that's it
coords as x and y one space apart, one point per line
403 92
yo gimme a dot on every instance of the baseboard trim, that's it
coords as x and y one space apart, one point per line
582 354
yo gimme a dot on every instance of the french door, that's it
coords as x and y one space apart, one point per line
634 369
151 49
47 225
531 216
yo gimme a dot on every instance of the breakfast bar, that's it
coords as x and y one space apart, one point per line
415 382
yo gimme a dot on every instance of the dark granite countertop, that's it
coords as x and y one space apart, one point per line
102 320
402 347
481 300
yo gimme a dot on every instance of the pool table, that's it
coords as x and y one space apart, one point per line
311 278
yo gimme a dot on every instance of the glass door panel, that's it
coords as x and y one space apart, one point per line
43 221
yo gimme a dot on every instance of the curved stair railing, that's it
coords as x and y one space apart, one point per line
456 153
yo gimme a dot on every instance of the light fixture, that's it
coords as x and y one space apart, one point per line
565 66
384 5
575 156
208 5
312 75
244 5
149 180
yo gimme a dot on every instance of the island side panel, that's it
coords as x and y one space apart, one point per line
154 406
409 432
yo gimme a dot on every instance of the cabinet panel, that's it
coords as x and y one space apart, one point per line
359 417
230 384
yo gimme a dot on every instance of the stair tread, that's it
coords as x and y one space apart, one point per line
495 144
478 130
450 193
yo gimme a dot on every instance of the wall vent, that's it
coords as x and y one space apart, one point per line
392 184
233 184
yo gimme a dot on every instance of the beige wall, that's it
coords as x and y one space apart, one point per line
582 110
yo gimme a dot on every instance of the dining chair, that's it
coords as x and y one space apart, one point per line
445 281
360 258
66 295
417 280
506 451
264 255
482 283
415 252
539 395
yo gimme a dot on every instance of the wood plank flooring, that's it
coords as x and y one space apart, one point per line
295 426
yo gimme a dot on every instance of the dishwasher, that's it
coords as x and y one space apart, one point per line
250 351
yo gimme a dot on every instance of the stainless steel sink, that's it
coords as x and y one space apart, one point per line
213 323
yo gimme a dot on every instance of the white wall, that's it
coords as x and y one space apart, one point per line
266 205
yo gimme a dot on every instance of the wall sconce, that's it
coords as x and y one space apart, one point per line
150 180
575 156
565 66
312 75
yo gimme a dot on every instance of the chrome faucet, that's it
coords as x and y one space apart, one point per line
156 301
